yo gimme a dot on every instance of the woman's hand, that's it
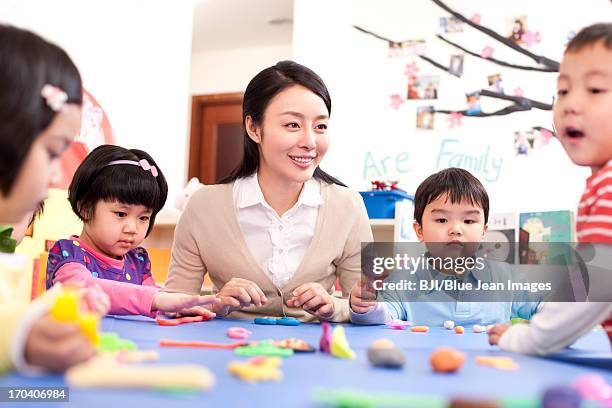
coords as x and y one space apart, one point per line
237 294
314 299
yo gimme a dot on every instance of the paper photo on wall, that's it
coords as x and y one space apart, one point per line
406 48
425 117
528 142
456 65
524 142
423 87
495 83
473 103
519 27
450 25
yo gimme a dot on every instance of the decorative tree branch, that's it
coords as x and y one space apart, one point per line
423 57
496 61
552 64
520 104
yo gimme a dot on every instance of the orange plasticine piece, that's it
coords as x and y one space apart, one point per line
459 330
419 329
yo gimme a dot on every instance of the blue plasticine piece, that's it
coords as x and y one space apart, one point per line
288 321
265 320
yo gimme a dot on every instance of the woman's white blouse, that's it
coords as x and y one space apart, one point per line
278 244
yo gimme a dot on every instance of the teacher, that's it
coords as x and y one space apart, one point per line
277 233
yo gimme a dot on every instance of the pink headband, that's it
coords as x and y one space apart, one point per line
142 163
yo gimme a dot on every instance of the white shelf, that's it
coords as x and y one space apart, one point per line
382 222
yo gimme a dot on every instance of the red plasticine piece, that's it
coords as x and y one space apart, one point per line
201 344
181 320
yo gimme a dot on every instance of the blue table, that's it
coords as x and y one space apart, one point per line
305 372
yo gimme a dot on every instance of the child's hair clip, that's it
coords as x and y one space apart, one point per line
143 163
54 97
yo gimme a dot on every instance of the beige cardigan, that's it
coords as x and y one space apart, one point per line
208 239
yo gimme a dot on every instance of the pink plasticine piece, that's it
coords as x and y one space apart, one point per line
398 324
238 333
325 341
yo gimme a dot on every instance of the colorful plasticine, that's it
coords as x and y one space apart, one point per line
257 369
419 329
339 346
325 340
112 342
181 320
263 348
200 344
459 330
265 320
66 309
501 363
238 333
396 324
446 360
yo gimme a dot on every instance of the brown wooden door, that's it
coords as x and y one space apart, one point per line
216 136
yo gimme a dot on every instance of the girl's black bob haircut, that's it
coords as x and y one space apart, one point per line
95 181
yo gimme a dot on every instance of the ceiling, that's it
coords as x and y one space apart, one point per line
228 24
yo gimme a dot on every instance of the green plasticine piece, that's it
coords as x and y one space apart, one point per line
359 399
112 342
518 320
520 402
176 391
263 349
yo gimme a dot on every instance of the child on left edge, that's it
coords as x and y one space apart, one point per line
117 193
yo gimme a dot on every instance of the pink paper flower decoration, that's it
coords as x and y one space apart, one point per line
396 101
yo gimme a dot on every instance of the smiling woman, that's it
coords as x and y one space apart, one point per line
277 233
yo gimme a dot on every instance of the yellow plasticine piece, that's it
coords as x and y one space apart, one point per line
339 346
66 308
136 356
89 326
501 363
103 371
257 369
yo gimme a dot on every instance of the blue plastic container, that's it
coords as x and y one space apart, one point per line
381 204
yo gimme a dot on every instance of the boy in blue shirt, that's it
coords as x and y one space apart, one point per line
450 217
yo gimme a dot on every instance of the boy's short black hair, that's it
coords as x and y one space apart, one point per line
601 32
95 181
459 185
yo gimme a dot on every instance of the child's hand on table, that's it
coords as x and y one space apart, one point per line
183 303
313 298
496 332
56 346
362 300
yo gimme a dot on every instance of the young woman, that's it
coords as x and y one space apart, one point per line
278 232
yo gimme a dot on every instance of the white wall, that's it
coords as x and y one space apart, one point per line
134 57
231 70
361 79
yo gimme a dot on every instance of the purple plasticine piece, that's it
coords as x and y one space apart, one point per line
325 341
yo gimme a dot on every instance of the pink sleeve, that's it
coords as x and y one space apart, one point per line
149 282
125 298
